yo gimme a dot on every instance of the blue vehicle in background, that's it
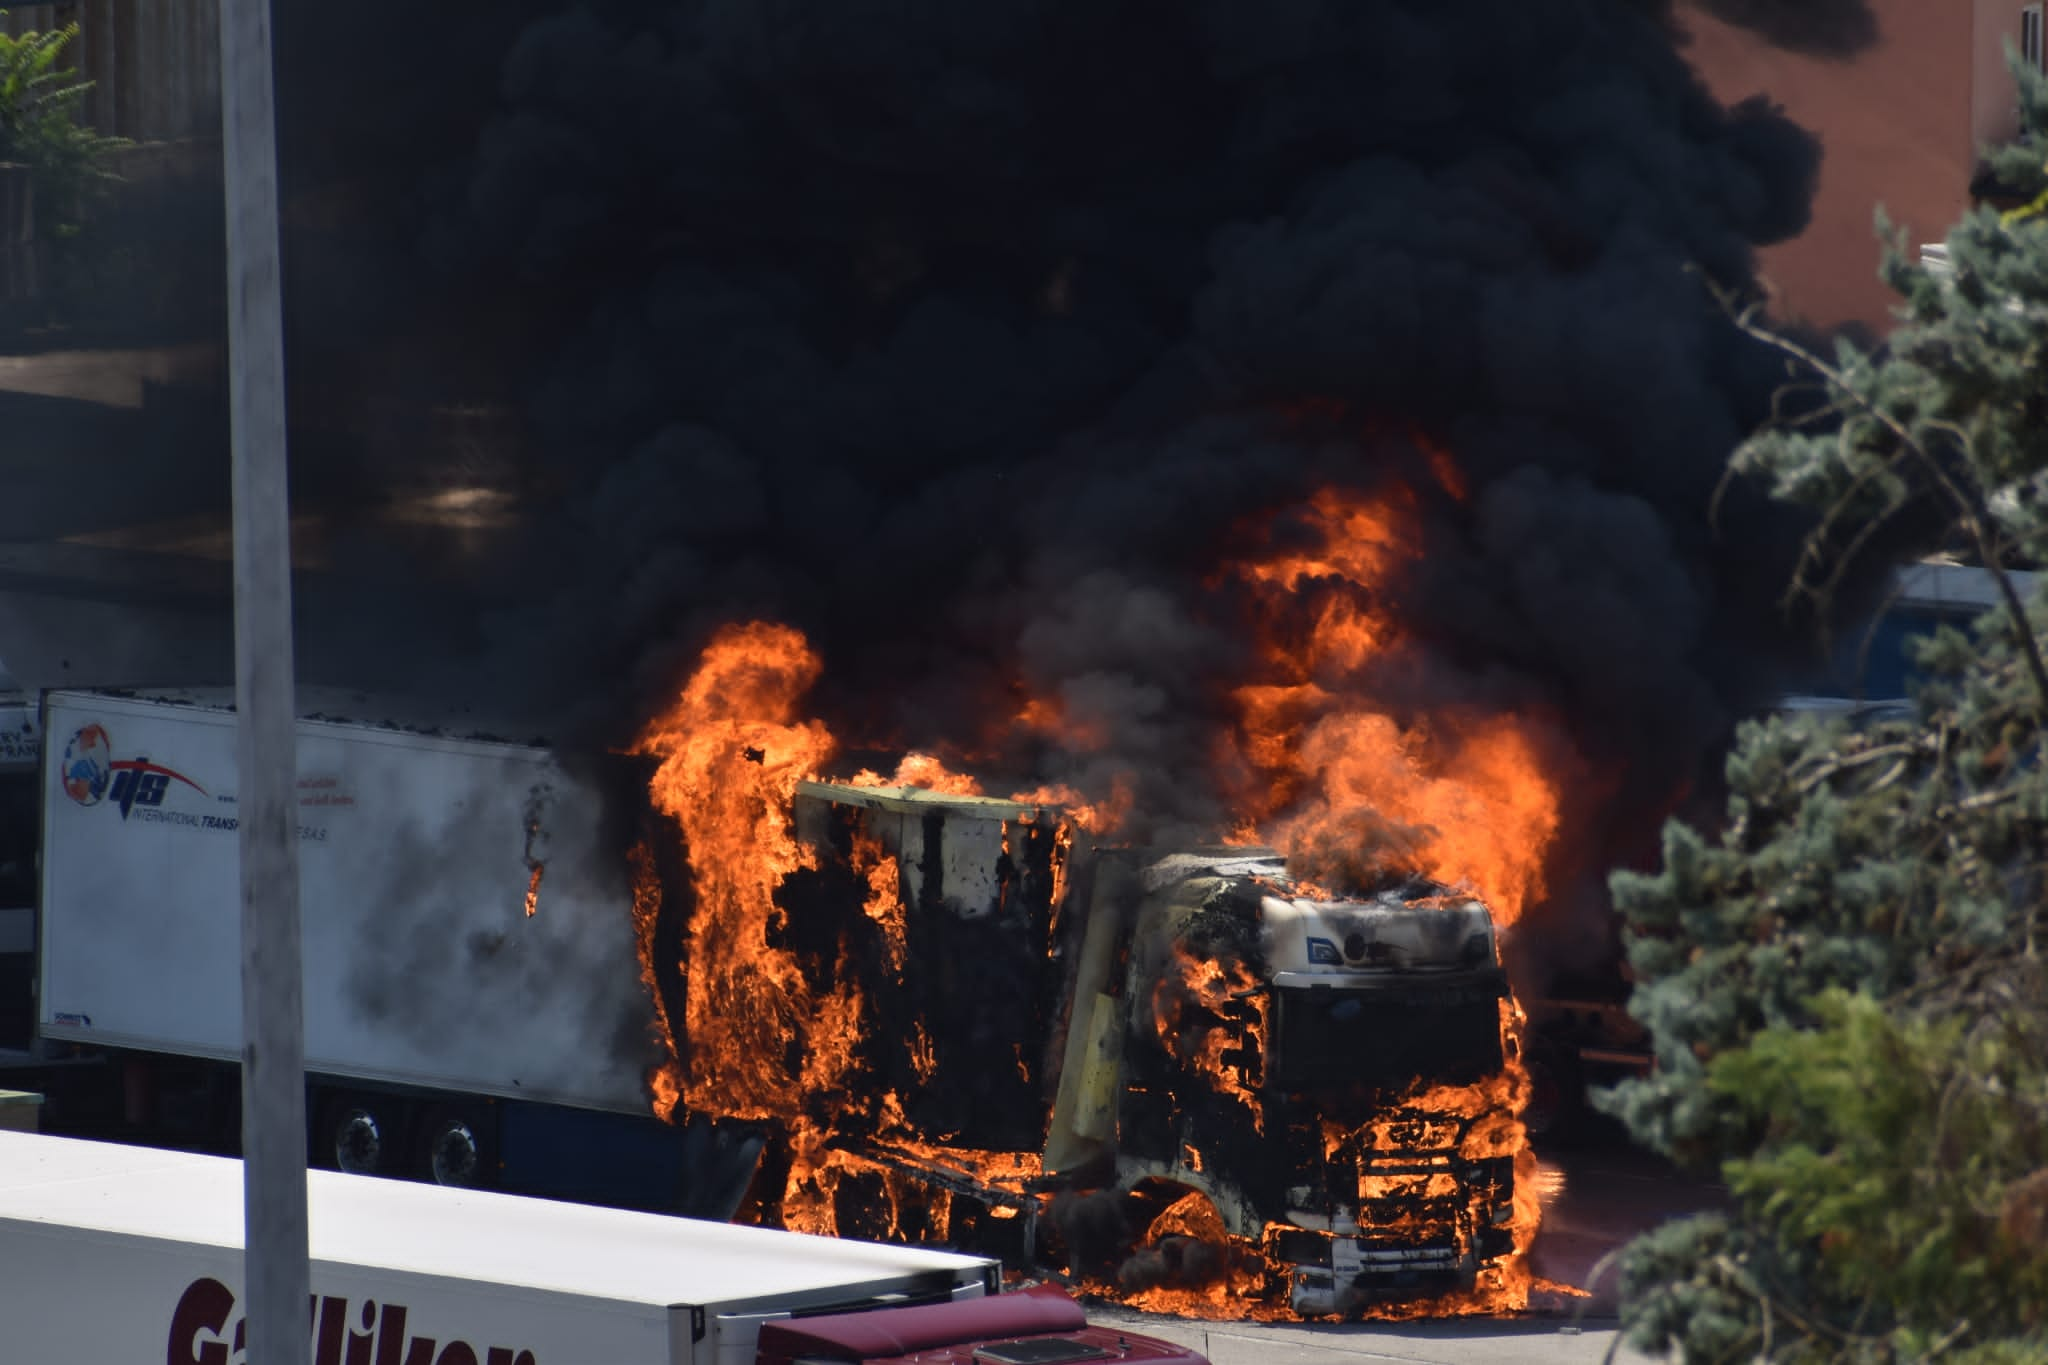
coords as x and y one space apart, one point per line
1581 1035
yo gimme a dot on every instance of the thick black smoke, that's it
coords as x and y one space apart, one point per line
974 339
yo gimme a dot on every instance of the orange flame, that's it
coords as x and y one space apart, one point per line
1479 1121
1448 476
1052 718
1186 1012
884 903
732 752
667 1080
1351 788
924 771
1096 817
1337 781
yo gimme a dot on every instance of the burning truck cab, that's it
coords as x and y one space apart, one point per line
1262 1089
1386 1026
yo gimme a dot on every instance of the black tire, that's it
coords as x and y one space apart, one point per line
362 1133
455 1147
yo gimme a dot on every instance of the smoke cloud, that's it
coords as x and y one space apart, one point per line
974 341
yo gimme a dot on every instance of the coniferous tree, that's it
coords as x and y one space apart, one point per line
1844 982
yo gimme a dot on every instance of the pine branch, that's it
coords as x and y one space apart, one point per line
1836 764
1969 504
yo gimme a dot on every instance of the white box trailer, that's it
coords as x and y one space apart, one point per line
422 965
455 1030
112 1253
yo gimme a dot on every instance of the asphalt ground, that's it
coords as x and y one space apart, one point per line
1596 1197
1468 1341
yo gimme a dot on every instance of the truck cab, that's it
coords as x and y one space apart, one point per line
1260 1085
1327 1072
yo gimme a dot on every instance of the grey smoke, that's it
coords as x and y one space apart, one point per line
463 984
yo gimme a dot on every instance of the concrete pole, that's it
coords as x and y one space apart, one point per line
278 1285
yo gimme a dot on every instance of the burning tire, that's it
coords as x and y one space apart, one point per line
454 1149
1180 1242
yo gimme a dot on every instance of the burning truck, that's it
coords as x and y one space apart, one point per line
1207 1080
1271 1065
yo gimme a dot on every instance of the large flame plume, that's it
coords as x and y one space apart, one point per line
1331 775
732 750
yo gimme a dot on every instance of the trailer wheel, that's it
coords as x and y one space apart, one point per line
359 1138
455 1149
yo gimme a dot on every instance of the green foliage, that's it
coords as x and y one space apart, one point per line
1701 1281
1851 1022
2022 165
1843 983
40 129
1897 1145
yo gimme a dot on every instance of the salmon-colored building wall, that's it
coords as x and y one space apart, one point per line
1994 112
1900 123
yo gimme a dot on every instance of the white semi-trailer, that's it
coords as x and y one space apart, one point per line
475 1010
111 1253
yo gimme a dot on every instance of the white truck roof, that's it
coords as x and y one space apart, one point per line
641 1259
344 706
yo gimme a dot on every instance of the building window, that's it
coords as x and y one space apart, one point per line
2030 37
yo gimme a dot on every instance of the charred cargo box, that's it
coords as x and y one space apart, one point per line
961 1019
1156 1026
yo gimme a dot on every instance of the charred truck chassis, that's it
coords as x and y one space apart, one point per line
1159 1024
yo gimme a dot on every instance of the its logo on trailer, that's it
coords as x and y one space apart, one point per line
201 1334
91 773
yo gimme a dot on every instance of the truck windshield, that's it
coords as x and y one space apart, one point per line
1344 1038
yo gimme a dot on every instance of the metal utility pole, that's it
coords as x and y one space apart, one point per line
277 1277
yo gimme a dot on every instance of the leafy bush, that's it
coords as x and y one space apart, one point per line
40 128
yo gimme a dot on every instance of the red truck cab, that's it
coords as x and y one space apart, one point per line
1040 1326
